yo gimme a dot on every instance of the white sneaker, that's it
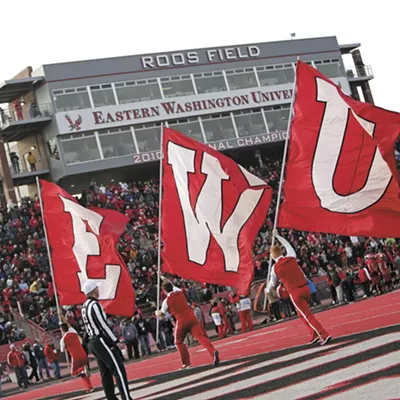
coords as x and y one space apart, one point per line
326 340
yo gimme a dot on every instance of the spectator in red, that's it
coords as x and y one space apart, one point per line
331 285
50 291
7 309
18 110
16 361
34 222
52 358
243 305
8 293
224 316
365 279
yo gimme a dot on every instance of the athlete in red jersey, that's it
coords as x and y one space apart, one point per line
290 274
177 305
71 342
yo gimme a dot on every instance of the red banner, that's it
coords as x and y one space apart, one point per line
83 247
212 211
341 174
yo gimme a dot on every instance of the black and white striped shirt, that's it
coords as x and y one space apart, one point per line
95 322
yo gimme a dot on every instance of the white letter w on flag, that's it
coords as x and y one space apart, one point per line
206 219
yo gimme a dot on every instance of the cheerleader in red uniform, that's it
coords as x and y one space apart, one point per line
370 261
385 271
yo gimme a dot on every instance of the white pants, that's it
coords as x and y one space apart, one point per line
339 294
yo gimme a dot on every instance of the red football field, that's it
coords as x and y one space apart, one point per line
274 362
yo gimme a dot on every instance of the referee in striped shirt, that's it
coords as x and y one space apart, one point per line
103 344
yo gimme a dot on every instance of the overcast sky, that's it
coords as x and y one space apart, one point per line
44 32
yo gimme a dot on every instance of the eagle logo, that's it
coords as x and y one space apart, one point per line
74 125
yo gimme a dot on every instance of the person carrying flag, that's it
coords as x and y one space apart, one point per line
71 343
288 271
186 322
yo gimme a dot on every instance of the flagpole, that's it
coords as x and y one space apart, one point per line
39 193
159 232
285 151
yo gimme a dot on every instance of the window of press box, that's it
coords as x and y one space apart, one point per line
80 148
53 148
102 95
189 128
331 70
277 119
271 77
132 93
218 128
72 101
148 138
116 144
241 80
177 88
250 123
210 83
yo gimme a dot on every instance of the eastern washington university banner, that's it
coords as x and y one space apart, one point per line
90 119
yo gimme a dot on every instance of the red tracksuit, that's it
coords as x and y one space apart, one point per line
186 322
244 307
218 321
70 342
225 320
290 274
362 275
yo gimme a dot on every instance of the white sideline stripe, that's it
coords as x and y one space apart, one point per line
384 389
245 370
180 381
369 318
267 332
315 362
304 316
121 377
316 385
369 310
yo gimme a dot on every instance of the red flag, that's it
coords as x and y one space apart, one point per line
341 172
82 243
212 211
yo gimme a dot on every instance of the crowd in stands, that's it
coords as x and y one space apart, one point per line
24 268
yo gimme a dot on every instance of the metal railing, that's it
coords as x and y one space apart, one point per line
24 112
21 167
360 72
